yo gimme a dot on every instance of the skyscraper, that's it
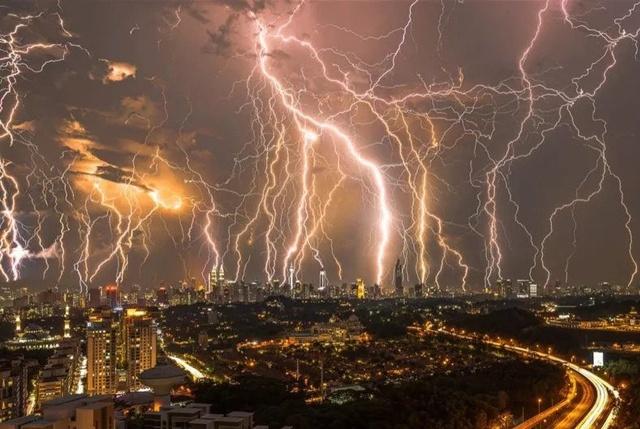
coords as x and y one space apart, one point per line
292 273
139 344
101 353
360 289
397 272
324 282
112 295
95 297
14 387
67 323
216 283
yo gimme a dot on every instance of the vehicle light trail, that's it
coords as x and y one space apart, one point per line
603 409
194 372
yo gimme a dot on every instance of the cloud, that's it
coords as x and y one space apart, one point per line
219 41
114 174
197 14
243 5
116 71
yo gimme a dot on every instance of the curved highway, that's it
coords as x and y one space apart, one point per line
599 415
542 417
572 416
194 372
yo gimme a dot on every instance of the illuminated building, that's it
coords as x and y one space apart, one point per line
324 282
32 337
360 289
18 326
197 416
101 353
139 344
14 378
67 323
334 330
161 296
533 290
60 375
397 275
69 412
244 292
523 288
111 293
216 283
504 288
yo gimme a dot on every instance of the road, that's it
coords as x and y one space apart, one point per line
551 411
598 406
194 372
572 417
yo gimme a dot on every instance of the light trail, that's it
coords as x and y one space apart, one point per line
602 410
194 372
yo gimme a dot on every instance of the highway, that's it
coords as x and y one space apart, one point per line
534 421
599 414
194 372
572 416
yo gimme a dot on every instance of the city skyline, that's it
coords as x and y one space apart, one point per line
281 139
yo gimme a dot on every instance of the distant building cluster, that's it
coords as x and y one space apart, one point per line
331 331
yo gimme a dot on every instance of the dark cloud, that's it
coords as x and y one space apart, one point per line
219 41
104 113
114 174
197 13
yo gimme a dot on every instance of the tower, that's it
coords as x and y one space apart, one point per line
291 276
18 326
397 274
216 282
67 323
324 282
360 291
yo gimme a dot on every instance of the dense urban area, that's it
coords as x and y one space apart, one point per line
241 356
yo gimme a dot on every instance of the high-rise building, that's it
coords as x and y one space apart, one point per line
101 353
61 373
524 288
324 282
66 333
397 273
112 295
95 297
533 290
14 387
360 289
216 283
138 345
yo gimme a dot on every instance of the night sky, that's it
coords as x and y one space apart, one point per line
143 141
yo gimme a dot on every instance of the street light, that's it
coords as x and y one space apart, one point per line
539 403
